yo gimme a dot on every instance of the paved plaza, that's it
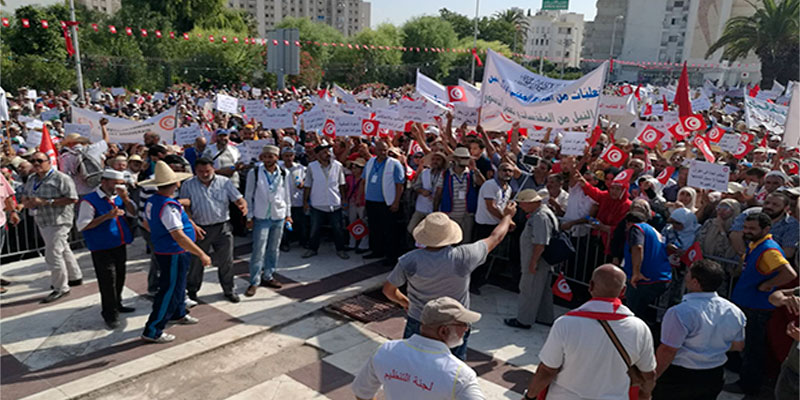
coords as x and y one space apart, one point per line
298 342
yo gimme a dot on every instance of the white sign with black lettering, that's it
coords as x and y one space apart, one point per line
730 142
705 175
186 135
573 143
227 104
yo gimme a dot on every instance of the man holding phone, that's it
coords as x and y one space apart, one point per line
101 219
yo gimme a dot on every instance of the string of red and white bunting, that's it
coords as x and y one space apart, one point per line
111 29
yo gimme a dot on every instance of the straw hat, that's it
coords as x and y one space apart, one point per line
437 230
359 162
528 196
461 152
74 138
135 157
165 176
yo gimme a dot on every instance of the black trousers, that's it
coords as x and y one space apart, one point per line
480 275
679 383
383 230
109 266
301 225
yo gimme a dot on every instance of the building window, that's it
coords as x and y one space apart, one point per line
673 38
674 21
678 4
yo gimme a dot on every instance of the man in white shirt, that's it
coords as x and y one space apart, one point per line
322 198
421 367
268 192
297 174
226 157
579 360
492 199
554 194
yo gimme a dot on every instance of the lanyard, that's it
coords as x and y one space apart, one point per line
270 182
39 183
375 166
455 176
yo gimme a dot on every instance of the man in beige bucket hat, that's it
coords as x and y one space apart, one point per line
425 356
439 268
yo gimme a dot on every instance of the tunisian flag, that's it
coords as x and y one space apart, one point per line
46 146
682 94
561 288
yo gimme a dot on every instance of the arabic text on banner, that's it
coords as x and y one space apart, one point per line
512 93
758 112
122 130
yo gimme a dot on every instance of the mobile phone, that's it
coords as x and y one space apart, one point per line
530 160
751 188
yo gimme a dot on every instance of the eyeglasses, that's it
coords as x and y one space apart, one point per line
38 161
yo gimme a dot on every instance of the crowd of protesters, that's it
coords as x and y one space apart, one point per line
467 198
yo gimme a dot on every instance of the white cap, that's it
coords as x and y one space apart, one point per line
113 174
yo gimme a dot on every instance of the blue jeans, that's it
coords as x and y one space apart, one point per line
413 327
334 218
264 258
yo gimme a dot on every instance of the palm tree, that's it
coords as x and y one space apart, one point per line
515 17
771 33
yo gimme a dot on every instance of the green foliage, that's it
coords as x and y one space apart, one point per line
431 32
463 26
772 33
35 40
315 32
37 72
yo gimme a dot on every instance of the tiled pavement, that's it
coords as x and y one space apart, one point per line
275 345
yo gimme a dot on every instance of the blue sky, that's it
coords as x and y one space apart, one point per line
398 11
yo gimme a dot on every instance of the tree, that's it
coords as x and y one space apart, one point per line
429 32
357 65
463 26
462 66
771 33
516 18
316 33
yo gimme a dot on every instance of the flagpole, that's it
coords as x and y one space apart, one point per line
475 39
74 29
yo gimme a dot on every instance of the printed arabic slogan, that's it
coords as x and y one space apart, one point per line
512 93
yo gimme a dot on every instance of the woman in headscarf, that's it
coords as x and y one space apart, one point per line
651 190
713 235
687 197
680 234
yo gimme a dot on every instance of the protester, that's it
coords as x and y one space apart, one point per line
172 235
765 268
695 337
457 194
787 387
440 269
269 188
323 187
297 174
535 302
426 356
356 203
646 265
382 183
493 197
52 194
209 196
580 358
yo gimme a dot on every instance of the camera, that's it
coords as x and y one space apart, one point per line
531 160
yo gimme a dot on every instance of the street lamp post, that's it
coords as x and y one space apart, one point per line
475 40
567 42
613 36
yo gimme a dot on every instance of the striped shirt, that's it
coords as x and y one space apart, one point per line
210 203
54 185
225 158
460 190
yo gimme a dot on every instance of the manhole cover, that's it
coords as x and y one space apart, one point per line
367 309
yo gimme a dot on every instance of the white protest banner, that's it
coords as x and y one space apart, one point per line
656 110
759 112
187 134
83 130
380 103
573 143
51 114
617 105
701 103
465 114
227 104
31 94
256 92
117 91
313 119
704 175
122 130
413 111
473 93
158 96
254 109
251 149
343 94
276 119
729 109
390 119
34 138
529 143
429 87
202 102
512 93
791 136
348 125
730 142
35 124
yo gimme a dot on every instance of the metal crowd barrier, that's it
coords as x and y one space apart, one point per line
24 240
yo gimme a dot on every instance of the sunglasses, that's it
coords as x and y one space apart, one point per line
38 161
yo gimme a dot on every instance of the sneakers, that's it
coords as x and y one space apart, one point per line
251 291
309 254
343 255
164 338
190 303
186 320
53 296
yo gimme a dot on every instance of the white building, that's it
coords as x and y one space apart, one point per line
347 16
104 6
665 31
555 36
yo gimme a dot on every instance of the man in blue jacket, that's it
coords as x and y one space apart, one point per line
646 265
101 219
172 234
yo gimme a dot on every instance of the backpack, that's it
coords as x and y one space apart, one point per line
560 247
255 176
89 169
